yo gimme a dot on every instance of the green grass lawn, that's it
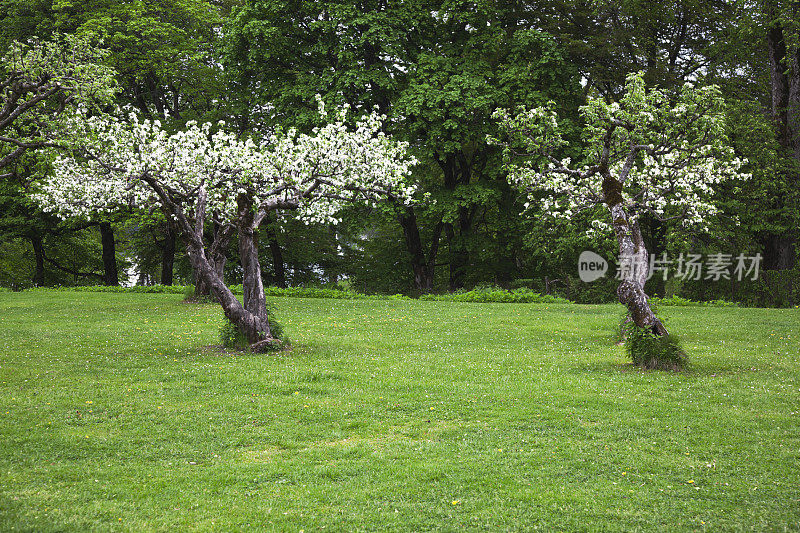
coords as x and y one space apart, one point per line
392 415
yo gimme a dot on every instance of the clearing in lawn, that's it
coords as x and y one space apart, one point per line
392 415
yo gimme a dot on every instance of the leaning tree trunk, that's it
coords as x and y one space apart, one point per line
255 303
201 286
216 258
255 328
634 261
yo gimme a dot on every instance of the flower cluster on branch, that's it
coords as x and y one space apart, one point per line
649 152
116 162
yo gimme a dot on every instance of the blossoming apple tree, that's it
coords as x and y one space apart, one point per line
200 175
650 152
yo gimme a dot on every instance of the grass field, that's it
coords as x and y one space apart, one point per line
392 416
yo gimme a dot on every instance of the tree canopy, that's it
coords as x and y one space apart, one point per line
439 70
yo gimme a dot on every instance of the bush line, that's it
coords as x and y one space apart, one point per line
483 295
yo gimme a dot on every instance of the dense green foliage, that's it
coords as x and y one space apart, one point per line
438 69
391 416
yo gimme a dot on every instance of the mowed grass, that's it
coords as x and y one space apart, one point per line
392 416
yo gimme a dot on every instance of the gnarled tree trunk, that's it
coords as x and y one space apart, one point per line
634 260
255 303
254 326
255 329
216 258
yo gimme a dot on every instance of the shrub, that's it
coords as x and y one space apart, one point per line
314 292
232 337
651 351
496 295
678 301
148 289
399 297
481 295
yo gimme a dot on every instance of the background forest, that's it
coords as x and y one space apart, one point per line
438 70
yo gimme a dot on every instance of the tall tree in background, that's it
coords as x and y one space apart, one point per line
41 82
490 60
782 20
437 68
670 43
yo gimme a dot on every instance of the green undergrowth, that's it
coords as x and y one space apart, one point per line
494 295
478 295
118 413
654 352
677 301
233 338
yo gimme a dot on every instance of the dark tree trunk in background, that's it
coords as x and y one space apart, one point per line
168 254
278 265
458 171
422 266
38 254
110 274
779 81
143 279
458 246
780 251
506 267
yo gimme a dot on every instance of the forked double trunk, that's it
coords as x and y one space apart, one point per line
255 303
250 318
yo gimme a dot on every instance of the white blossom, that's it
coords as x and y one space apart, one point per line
666 158
135 163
